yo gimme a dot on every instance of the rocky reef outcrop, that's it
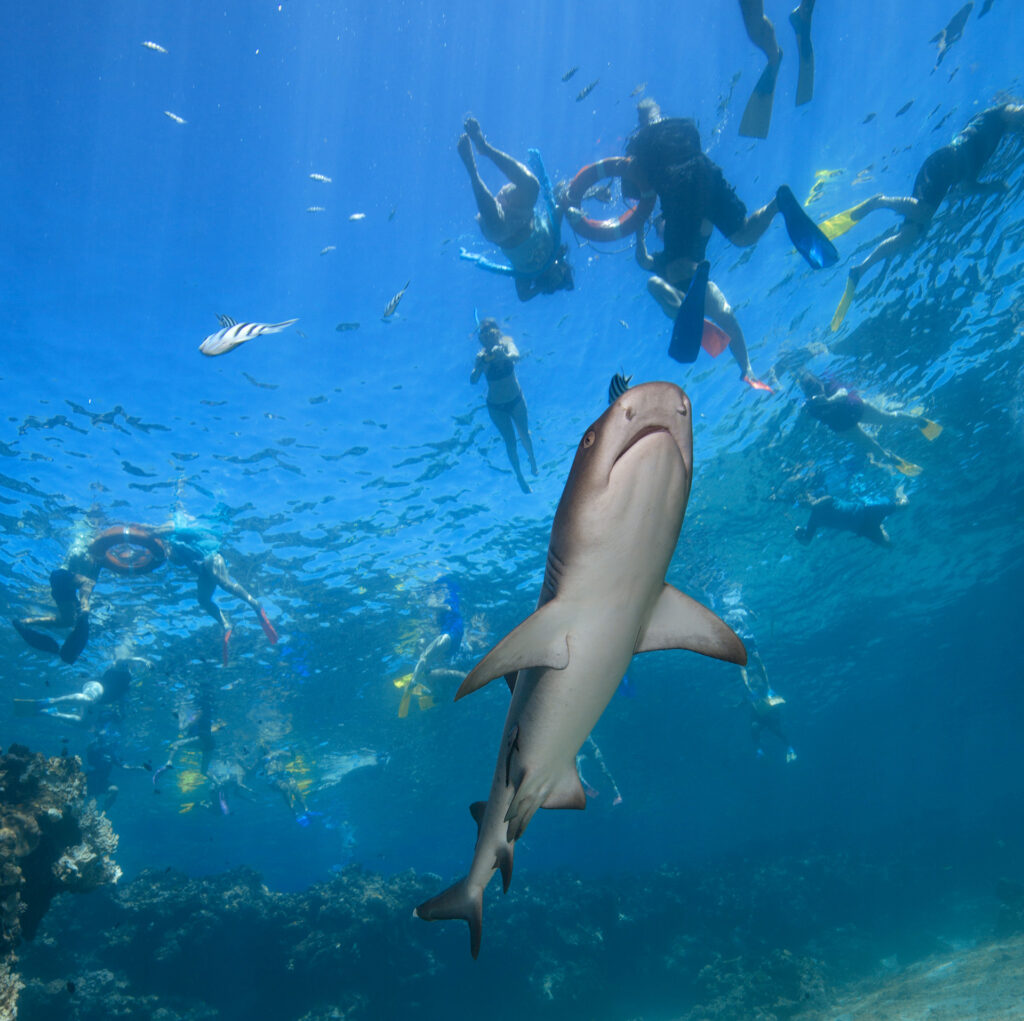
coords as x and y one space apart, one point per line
51 840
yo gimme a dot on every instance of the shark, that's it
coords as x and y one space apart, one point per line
604 597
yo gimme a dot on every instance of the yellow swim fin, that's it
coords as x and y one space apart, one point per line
836 226
906 468
26 706
931 429
844 305
404 684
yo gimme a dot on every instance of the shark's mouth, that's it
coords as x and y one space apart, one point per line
649 430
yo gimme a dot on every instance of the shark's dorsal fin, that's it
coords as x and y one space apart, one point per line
679 622
540 640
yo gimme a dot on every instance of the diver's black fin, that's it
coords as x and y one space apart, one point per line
806 235
38 640
689 326
805 78
76 641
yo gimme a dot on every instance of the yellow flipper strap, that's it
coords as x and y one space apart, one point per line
844 305
836 226
931 429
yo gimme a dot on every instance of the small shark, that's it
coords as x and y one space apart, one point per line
604 598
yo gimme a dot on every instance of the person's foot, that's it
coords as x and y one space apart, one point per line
224 654
465 151
801 534
855 274
475 132
533 466
523 484
802 28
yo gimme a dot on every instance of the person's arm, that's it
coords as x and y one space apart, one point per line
643 257
478 366
509 347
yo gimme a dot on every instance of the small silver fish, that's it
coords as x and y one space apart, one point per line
322 178
392 305
327 249
640 88
315 209
617 387
228 338
568 74
357 216
345 327
153 46
586 90
174 117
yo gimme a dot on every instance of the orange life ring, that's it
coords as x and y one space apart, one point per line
128 549
617 227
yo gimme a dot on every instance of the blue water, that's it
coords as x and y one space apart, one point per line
345 471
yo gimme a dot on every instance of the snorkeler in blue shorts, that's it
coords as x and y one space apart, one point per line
960 162
442 649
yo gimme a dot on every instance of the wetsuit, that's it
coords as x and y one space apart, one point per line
838 415
694 193
962 159
864 519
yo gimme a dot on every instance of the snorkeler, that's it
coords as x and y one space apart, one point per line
846 412
865 519
758 112
695 198
530 240
195 724
960 162
430 667
190 548
109 690
765 707
505 402
71 588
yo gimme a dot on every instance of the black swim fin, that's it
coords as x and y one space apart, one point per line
689 326
38 640
757 115
806 235
805 78
76 641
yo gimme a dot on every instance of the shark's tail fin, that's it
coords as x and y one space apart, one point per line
458 901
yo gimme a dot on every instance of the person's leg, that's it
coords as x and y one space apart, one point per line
760 30
206 583
486 203
503 423
518 173
873 415
435 652
521 421
718 310
665 295
755 225
906 237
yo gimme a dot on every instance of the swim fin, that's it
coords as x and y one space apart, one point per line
713 338
836 226
757 116
756 384
844 305
405 683
38 640
27 706
906 468
688 330
805 234
931 429
224 644
805 78
76 641
268 628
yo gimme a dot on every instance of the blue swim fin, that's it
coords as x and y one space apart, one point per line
806 235
689 325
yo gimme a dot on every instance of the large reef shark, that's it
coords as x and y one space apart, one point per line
604 598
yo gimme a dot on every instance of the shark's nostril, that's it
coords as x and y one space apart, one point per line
630 414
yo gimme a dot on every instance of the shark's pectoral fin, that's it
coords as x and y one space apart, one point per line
567 791
679 622
541 640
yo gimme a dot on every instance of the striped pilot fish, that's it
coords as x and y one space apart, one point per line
617 387
232 334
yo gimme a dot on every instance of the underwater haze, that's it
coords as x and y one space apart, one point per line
169 163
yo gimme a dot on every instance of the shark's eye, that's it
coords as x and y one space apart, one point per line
588 440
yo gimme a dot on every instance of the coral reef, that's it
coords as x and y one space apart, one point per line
51 841
762 940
